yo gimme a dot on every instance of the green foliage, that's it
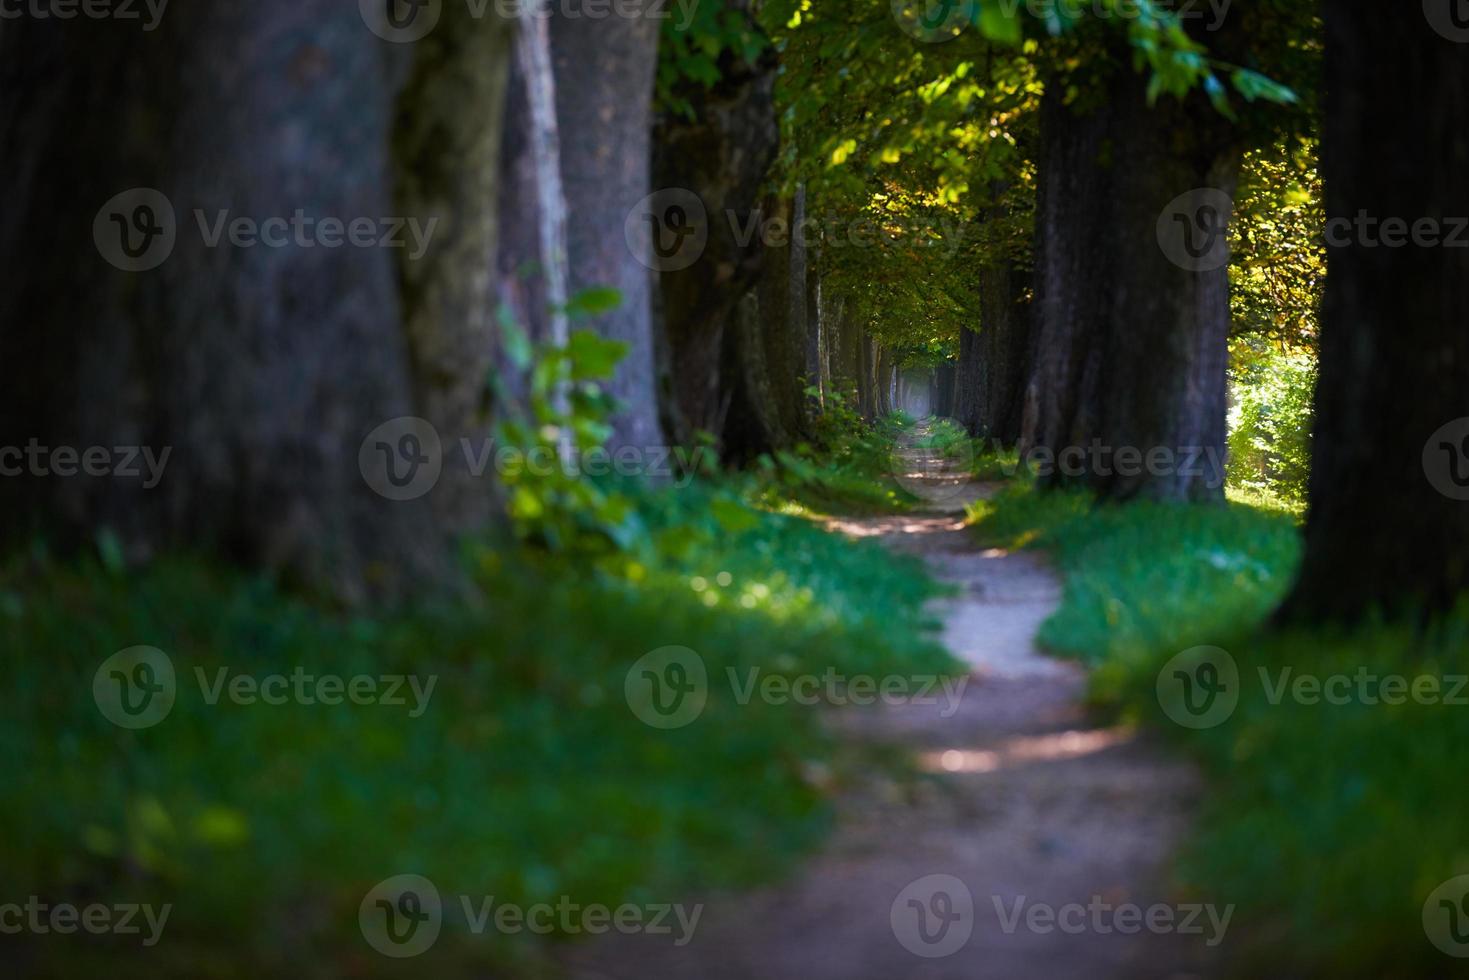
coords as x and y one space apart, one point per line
527 777
1270 423
695 54
948 437
545 436
911 152
1278 265
848 470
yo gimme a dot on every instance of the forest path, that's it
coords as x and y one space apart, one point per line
1025 801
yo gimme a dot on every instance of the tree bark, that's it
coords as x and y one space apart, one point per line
944 377
812 289
1389 523
783 321
1002 353
867 378
261 369
753 424
604 71
1131 345
847 347
721 155
446 147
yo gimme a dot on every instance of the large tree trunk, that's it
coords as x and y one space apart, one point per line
846 341
1131 345
813 329
1002 352
753 422
721 155
1389 519
446 152
944 377
604 97
883 381
969 382
783 322
261 369
867 377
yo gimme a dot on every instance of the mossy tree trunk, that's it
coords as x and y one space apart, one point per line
260 368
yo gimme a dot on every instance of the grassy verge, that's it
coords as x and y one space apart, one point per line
1328 825
526 776
851 470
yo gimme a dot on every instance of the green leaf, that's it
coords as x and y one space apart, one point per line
998 24
590 302
1253 85
593 357
517 344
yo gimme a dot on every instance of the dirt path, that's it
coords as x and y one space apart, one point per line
1028 802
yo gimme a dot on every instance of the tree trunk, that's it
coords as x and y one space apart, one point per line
1129 382
867 378
533 69
262 369
1002 353
944 377
721 156
783 320
1389 521
445 153
968 402
882 381
813 330
604 96
753 423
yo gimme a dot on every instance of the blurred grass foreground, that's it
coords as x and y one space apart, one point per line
486 745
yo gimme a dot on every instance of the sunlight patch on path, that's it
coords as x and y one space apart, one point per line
1026 749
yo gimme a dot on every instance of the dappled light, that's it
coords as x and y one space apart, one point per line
1026 750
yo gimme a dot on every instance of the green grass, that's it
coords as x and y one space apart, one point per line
1327 825
851 471
1147 577
528 777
